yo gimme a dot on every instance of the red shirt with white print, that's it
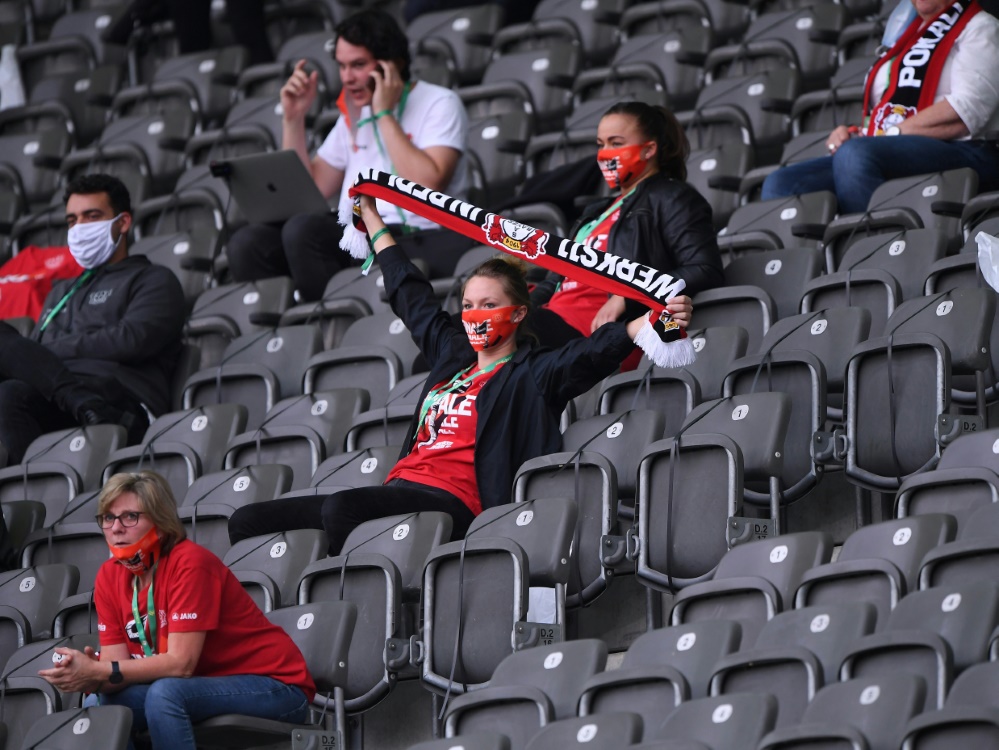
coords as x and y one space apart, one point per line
194 591
575 302
444 453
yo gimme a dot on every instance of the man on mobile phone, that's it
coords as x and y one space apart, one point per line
388 121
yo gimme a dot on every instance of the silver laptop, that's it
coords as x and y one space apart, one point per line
273 187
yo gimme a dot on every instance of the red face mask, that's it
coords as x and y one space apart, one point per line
621 165
489 328
139 557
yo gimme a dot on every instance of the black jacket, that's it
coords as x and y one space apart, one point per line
664 223
124 323
518 407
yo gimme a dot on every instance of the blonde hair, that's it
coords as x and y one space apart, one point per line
156 500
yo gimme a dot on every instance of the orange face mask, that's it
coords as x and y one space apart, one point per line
621 165
489 328
139 557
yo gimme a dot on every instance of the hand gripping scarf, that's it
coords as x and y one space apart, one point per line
661 338
916 60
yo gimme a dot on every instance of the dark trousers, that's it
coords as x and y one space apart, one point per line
342 512
35 386
307 248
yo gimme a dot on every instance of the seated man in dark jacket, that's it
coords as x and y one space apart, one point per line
105 345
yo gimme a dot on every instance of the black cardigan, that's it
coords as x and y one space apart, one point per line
520 405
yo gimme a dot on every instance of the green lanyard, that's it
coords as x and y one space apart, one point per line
373 120
62 303
584 231
453 385
150 614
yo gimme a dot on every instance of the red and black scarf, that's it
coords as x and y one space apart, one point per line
916 60
662 339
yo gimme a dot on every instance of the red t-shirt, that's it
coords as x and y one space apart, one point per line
194 591
575 302
444 453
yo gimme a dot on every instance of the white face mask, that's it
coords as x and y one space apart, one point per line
91 243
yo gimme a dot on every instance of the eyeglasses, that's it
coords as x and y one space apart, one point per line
129 519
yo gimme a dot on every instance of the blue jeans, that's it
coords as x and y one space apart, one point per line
861 164
169 706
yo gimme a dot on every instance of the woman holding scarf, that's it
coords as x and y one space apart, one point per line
491 401
652 215
206 650
934 94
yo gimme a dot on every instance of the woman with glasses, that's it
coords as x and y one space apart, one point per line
181 641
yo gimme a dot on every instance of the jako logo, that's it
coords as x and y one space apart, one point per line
184 616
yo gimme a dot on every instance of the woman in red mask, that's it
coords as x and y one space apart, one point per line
490 403
652 215
181 640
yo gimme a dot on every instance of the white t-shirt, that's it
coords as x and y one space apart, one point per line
434 116
969 79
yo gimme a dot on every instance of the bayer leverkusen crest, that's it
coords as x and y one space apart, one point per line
514 236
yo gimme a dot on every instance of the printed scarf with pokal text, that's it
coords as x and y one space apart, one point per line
916 60
661 338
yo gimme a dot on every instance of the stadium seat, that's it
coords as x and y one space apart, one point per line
969 557
363 468
461 37
795 221
388 425
670 392
780 273
874 290
727 722
716 172
606 731
469 741
905 254
968 719
94 728
29 165
270 566
29 600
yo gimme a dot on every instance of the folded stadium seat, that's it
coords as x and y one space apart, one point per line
594 25
869 713
547 151
182 445
795 221
802 377
460 37
376 352
78 542
266 79
200 83
270 566
780 273
349 295
299 432
69 52
965 479
728 722
448 288
386 425
795 654
607 731
29 600
94 728
972 556
968 718
213 498
28 697
933 201
668 61
754 581
146 151
29 165
750 306
717 347
322 632
752 108
495 152
728 21
936 634
257 369
905 254
199 178
252 126
716 172
539 81
528 690
59 465
803 39
469 741
798 148
232 310
671 392
842 103
878 564
76 615
660 670
721 442
363 468
981 208
621 437
21 517
546 216
861 40
872 289
379 570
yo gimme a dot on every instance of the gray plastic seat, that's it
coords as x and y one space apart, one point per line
752 307
608 731
348 296
468 741
269 566
94 728
905 254
363 468
728 722
387 425
671 392
780 273
968 719
29 599
972 556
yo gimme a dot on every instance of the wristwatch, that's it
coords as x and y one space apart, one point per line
893 130
116 677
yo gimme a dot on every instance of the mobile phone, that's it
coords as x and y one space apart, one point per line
371 80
